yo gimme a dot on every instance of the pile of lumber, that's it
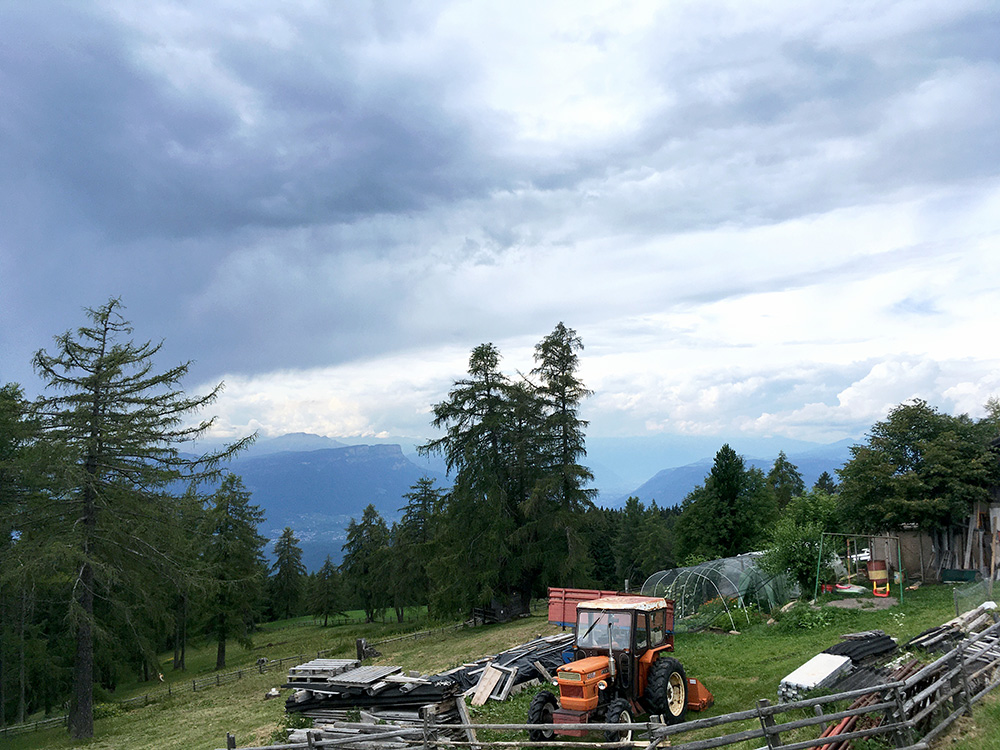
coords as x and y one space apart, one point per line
945 637
498 677
328 692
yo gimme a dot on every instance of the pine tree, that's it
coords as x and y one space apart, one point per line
483 511
234 562
365 562
784 480
325 594
287 575
825 483
108 519
729 514
413 542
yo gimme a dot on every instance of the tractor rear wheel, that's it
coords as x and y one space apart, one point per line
540 712
619 712
666 690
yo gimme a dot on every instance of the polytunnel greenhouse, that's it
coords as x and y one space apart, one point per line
720 592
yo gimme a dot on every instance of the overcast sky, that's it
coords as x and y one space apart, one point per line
761 218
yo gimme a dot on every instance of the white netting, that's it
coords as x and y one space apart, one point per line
718 591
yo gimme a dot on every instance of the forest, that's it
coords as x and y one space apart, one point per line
117 544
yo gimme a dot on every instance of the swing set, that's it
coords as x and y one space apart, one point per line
877 570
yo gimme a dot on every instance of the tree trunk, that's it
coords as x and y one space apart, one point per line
180 631
220 654
22 671
399 614
3 664
81 715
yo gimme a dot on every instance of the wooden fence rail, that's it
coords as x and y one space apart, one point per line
34 726
910 712
210 681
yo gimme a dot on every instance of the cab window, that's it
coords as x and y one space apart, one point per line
641 631
658 634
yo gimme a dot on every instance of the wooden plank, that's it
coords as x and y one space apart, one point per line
487 682
543 671
470 730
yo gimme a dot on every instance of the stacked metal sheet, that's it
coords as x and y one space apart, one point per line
326 692
863 648
822 671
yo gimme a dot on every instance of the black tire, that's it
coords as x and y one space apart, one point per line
540 712
666 690
619 712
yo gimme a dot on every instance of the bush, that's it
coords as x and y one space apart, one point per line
804 617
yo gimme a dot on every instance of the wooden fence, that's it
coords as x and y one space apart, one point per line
910 713
212 680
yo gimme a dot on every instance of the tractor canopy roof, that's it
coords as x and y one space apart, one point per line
638 603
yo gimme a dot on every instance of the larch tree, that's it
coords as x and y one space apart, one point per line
482 512
563 444
107 521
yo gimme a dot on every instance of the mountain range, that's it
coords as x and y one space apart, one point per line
317 484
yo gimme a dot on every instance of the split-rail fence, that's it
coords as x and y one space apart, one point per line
909 713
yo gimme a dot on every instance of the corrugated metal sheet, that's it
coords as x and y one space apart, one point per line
363 676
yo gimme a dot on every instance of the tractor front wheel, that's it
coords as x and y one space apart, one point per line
540 712
619 712
666 691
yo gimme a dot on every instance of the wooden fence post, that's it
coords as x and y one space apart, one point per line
902 735
966 691
772 736
430 735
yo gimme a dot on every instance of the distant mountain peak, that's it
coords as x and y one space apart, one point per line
293 442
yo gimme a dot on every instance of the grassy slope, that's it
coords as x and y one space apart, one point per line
738 669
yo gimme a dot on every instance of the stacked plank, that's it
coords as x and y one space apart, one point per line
947 636
498 677
329 692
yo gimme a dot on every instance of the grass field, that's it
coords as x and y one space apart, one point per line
738 668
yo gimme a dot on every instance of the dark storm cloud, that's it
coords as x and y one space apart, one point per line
117 146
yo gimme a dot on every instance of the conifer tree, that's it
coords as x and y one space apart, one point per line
785 480
287 575
234 561
365 562
106 523
325 594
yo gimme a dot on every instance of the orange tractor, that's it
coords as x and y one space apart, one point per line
622 668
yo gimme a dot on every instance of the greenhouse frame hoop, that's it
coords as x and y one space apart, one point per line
887 537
